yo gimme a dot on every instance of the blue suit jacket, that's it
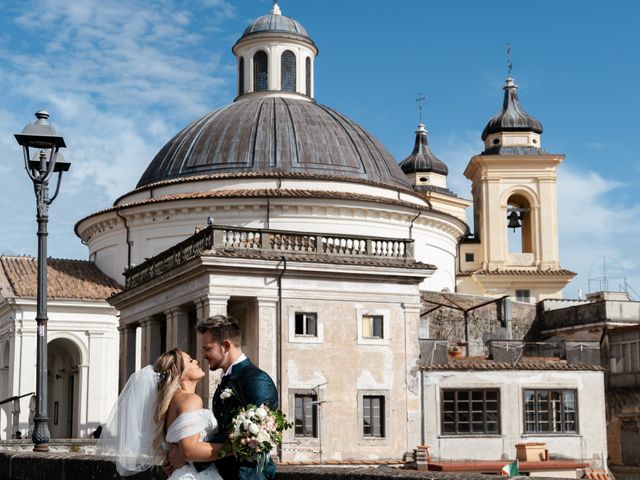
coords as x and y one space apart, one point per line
251 385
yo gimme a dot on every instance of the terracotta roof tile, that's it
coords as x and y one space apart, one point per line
301 175
67 279
263 193
537 363
560 271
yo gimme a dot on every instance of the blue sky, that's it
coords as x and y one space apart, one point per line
120 78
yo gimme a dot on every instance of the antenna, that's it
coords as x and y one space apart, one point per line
509 64
421 98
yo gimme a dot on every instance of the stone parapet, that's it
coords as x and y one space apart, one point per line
47 466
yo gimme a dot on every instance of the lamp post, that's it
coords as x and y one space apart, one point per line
41 136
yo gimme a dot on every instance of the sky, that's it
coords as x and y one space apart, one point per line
120 78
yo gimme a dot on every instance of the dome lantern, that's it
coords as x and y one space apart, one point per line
275 57
512 130
422 167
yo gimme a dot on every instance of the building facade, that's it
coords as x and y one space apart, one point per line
82 344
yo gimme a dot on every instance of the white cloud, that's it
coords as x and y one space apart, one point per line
594 225
119 79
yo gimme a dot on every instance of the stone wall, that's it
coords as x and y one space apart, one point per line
448 323
49 466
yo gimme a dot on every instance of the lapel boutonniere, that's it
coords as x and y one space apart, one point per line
226 393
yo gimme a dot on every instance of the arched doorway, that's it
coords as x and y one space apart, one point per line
63 357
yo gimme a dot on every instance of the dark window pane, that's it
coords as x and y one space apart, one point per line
299 324
260 71
288 71
469 411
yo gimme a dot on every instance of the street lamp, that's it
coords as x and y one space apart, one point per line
41 136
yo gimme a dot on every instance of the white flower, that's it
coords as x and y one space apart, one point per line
250 413
263 437
247 424
241 418
261 412
254 429
226 393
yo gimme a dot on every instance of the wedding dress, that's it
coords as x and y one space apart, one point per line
186 424
128 433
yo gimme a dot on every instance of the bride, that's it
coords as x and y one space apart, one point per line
139 440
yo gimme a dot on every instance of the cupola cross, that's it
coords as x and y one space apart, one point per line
421 98
509 64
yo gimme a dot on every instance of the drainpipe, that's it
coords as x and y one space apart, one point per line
279 342
128 241
411 226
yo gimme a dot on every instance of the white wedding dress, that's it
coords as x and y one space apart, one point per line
187 424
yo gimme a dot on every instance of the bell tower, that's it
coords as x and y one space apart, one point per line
514 249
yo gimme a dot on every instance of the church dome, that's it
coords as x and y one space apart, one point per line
512 117
273 135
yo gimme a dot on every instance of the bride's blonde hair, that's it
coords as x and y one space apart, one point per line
172 370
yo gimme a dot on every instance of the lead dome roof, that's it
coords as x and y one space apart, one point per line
275 135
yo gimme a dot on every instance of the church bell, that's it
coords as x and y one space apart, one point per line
514 220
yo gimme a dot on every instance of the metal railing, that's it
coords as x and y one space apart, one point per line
280 241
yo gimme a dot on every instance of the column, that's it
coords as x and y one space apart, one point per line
206 307
151 340
178 329
127 352
415 415
267 336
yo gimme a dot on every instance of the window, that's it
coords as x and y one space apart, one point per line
469 257
260 69
307 74
523 296
306 417
373 416
470 412
306 324
550 411
241 77
372 326
288 71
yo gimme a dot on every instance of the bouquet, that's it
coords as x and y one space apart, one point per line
254 432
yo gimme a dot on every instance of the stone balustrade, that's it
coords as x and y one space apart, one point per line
281 241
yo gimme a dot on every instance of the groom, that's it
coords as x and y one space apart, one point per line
221 345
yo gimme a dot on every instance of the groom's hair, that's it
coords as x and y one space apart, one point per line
221 328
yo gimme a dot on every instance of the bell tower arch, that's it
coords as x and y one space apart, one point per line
514 249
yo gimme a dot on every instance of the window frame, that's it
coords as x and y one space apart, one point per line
387 418
470 412
255 73
241 76
368 399
314 414
361 313
523 299
537 432
289 71
304 324
311 307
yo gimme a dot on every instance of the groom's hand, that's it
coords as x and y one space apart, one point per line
175 458
167 468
